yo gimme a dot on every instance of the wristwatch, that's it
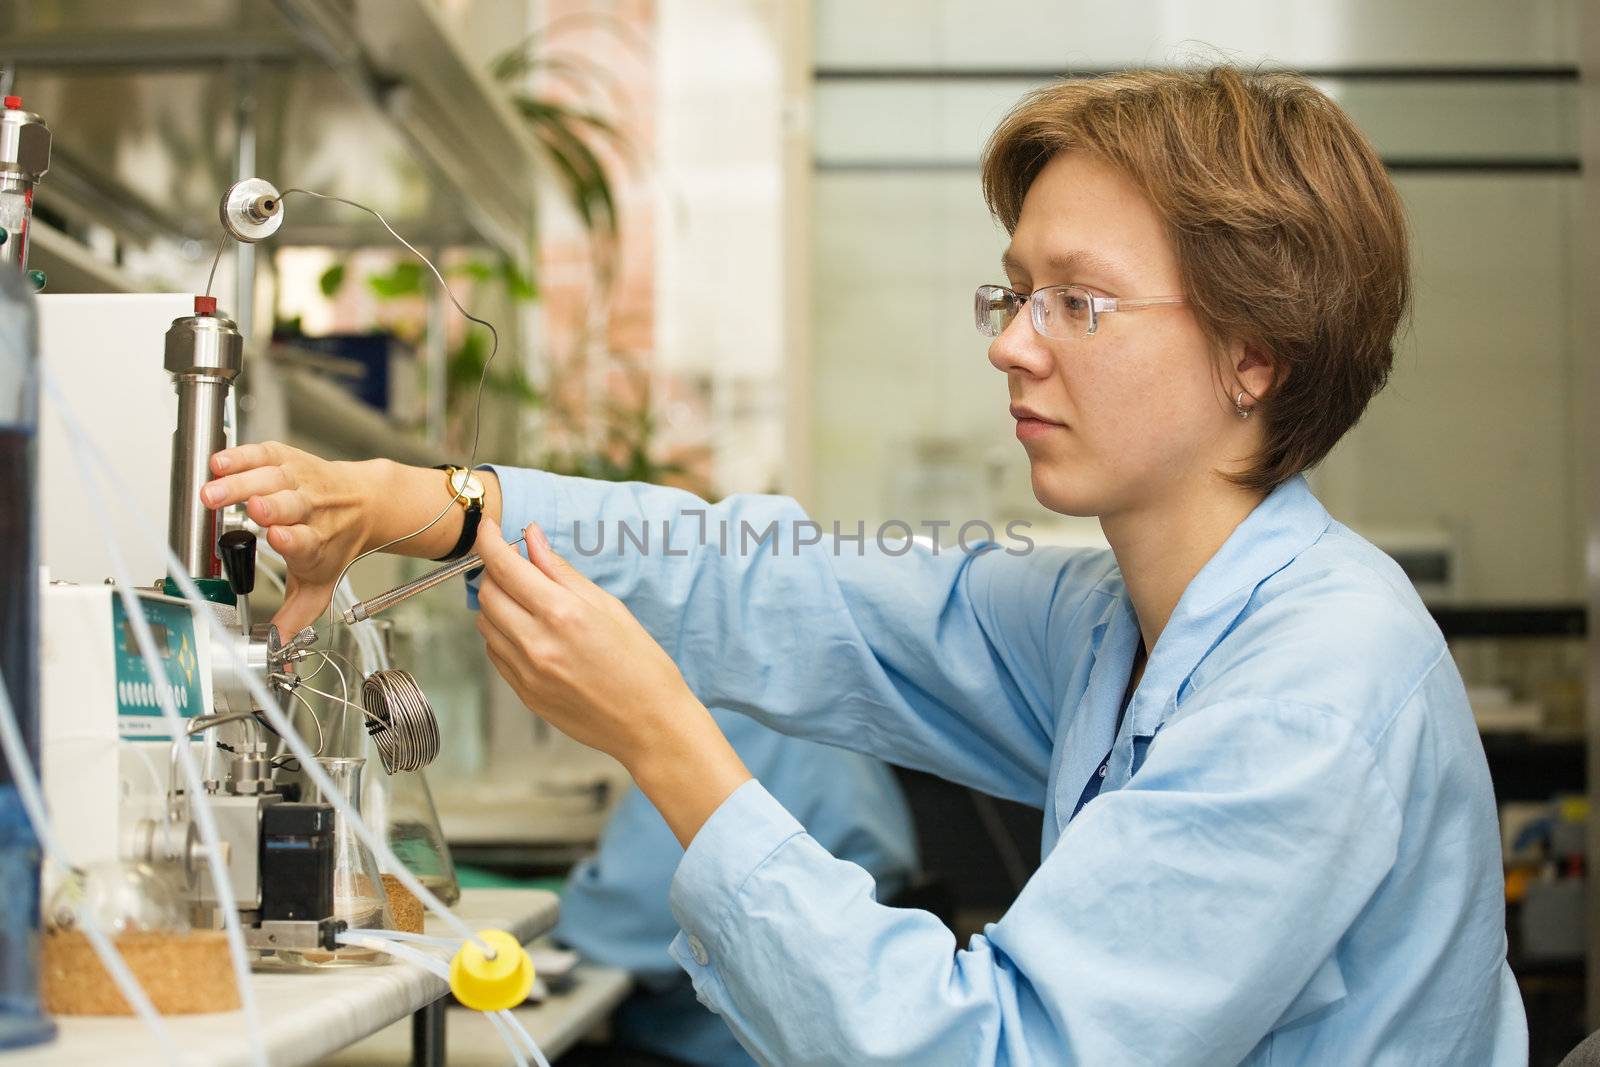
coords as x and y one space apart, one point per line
467 489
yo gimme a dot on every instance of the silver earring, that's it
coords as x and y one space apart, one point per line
1238 406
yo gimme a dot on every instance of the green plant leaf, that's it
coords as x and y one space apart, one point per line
404 280
475 269
331 280
518 285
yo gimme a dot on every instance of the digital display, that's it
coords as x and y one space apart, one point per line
130 640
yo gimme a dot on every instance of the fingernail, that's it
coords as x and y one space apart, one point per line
221 462
266 509
212 493
537 536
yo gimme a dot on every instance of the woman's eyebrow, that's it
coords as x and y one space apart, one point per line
1065 264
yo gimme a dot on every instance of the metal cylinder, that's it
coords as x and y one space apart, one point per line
24 159
204 353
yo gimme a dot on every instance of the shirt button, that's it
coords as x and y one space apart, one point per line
697 949
1102 770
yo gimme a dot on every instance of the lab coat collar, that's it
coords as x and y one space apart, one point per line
1282 526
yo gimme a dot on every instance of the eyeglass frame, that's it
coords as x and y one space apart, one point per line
1097 304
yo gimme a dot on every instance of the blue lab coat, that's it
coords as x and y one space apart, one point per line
1285 852
614 909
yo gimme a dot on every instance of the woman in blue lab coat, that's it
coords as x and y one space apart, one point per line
1269 830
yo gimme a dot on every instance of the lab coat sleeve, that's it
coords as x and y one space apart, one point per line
1179 920
896 653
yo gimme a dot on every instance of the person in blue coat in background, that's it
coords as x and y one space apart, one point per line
614 909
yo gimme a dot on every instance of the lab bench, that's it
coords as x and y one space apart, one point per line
305 1015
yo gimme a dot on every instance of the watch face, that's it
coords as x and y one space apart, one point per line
467 484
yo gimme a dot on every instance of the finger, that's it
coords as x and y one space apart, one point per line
302 607
287 507
300 546
558 570
258 481
527 584
502 611
495 640
246 457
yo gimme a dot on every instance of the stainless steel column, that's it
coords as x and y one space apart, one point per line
204 354
24 159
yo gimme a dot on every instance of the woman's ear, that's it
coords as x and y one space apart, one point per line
1255 370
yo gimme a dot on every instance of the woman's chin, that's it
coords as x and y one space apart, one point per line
1064 492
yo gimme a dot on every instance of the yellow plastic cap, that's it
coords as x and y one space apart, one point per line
499 984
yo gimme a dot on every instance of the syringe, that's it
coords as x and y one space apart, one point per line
366 609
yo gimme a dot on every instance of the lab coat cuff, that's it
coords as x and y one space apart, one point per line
743 833
525 496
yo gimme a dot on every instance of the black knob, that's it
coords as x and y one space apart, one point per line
238 551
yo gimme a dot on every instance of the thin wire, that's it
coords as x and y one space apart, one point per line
338 699
215 260
313 713
477 407
409 739
344 684
348 662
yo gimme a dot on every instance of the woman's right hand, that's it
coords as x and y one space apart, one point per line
318 514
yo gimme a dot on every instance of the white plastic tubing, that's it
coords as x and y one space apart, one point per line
83 451
506 1023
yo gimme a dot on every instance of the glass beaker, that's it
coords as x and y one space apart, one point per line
358 894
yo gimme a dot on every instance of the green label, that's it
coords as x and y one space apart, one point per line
138 707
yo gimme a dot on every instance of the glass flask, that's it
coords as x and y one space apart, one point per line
400 806
358 894
121 898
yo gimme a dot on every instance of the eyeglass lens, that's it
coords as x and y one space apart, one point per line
1061 311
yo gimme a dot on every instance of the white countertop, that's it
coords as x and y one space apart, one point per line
556 1024
306 1015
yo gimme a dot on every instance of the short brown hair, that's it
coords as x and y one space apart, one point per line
1289 234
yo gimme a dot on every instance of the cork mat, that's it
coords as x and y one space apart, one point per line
404 907
183 974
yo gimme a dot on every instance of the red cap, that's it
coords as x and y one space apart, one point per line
205 305
13 102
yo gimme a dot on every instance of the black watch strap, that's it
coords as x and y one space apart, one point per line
469 528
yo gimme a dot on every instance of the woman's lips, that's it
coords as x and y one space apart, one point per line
1028 428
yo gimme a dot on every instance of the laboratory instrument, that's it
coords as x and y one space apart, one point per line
110 759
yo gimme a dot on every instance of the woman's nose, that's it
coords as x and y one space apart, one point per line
1019 348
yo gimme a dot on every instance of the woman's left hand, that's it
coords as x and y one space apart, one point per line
579 659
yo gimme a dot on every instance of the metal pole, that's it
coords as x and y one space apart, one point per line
244 255
427 1035
1589 391
436 356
